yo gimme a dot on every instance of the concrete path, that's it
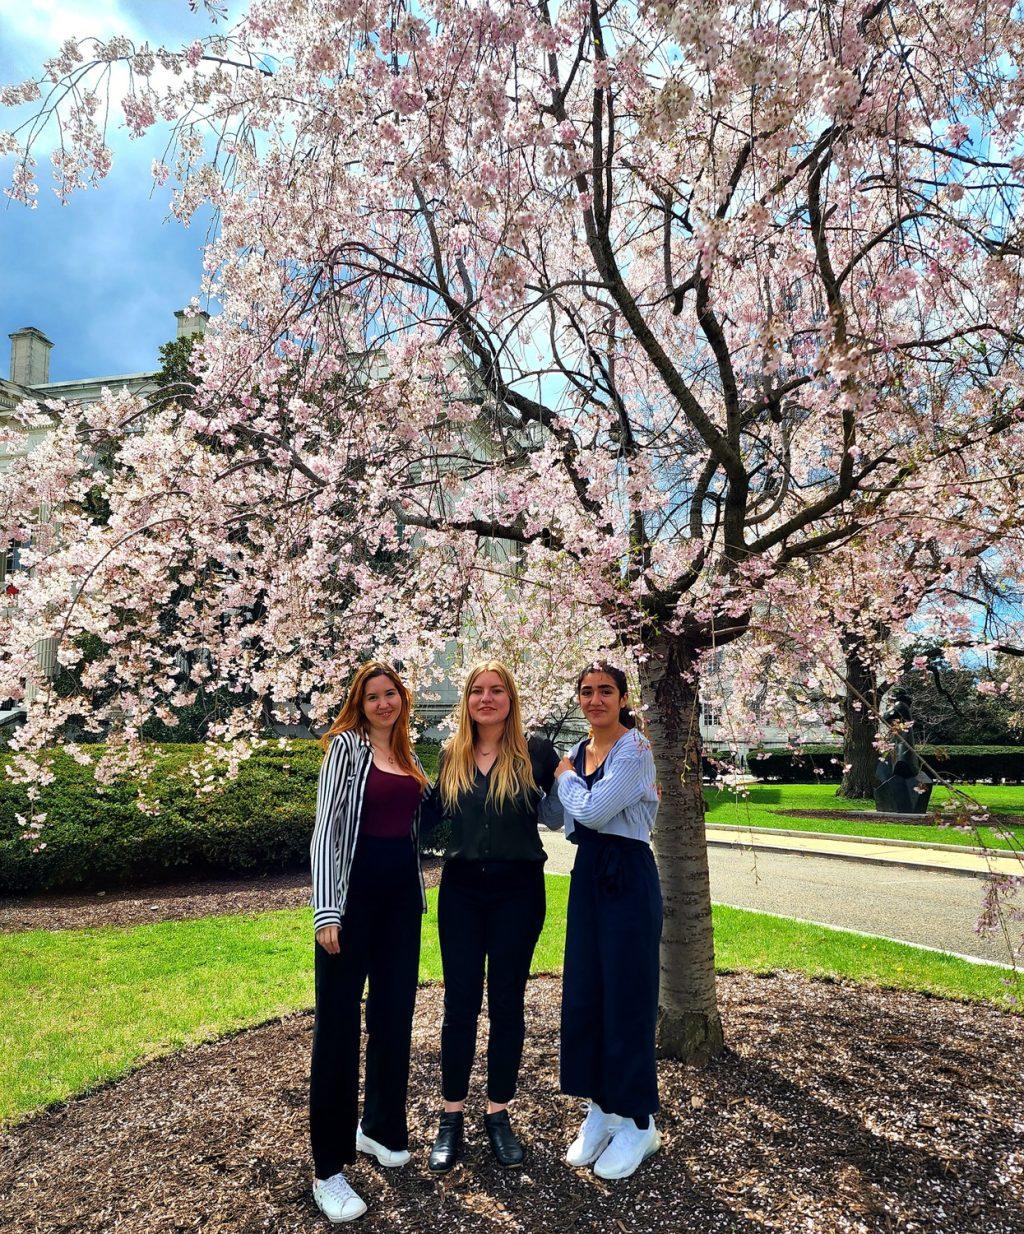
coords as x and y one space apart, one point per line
948 858
920 905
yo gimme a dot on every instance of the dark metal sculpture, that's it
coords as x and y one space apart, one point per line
903 787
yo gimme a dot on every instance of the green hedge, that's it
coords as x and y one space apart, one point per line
965 764
260 822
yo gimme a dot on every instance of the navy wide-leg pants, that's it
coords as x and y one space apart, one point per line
610 980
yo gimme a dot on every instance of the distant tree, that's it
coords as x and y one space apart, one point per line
956 706
177 377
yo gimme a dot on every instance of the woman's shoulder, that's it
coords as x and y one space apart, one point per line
539 744
345 742
634 746
543 753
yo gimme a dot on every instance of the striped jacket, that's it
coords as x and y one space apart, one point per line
339 807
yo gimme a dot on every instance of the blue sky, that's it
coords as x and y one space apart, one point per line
101 276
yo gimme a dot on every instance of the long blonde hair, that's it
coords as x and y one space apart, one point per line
353 718
512 773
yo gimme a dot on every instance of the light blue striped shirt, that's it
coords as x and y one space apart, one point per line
624 802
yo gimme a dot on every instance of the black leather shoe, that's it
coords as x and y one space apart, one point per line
448 1144
504 1144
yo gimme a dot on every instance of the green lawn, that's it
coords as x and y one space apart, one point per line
80 1007
761 943
762 805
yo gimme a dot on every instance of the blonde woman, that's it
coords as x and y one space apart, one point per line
368 901
492 786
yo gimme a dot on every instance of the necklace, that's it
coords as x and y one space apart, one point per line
597 754
384 754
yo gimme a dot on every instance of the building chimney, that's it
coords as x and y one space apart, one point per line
30 357
191 323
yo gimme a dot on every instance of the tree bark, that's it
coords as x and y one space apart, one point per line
860 725
689 1025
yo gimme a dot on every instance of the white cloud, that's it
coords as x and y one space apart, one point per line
47 23
32 32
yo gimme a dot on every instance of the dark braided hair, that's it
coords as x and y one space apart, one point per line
627 718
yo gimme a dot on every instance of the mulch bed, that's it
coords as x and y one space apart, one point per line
166 902
839 1108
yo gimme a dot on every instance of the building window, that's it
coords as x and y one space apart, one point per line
9 561
712 715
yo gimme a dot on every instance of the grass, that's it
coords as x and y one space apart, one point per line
756 942
761 808
78 1007
84 1006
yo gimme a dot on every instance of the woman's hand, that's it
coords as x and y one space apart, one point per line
564 766
327 937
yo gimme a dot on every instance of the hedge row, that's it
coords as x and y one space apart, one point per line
965 764
259 822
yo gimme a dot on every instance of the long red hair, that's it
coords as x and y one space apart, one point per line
352 717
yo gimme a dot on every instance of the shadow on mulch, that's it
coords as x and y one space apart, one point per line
839 1108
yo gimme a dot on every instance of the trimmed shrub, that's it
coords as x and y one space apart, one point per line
261 821
964 764
811 763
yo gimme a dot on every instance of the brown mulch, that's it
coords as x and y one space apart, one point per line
840 1108
166 902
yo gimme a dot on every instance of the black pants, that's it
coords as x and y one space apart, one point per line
610 979
493 912
380 941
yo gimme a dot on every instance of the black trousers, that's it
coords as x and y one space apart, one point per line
487 912
610 978
380 941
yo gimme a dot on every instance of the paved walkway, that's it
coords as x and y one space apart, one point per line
948 858
874 893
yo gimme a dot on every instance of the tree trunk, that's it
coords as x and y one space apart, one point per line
689 1026
860 726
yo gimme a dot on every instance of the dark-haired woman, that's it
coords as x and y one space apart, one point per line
607 786
492 786
368 901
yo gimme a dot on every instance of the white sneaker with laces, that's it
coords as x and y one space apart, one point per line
390 1157
336 1199
629 1147
597 1130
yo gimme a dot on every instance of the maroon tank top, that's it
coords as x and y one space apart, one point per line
389 804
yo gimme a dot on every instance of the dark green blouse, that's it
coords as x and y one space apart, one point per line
482 832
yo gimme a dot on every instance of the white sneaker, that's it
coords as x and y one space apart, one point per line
386 1156
598 1128
629 1147
336 1199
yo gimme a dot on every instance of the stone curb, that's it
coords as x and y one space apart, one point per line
749 840
884 840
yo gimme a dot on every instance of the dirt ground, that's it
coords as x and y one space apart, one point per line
167 902
838 1108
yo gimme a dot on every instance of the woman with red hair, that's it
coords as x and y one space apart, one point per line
368 901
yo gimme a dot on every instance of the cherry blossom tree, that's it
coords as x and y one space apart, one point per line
584 325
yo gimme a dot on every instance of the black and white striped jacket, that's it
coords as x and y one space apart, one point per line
339 808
